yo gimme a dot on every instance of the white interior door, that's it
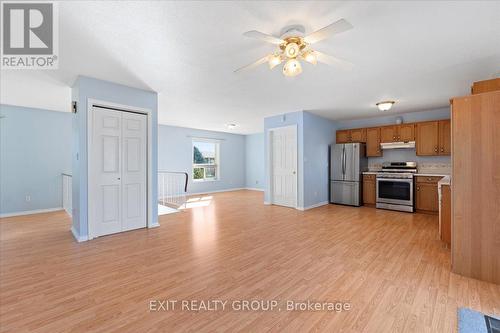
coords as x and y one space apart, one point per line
284 166
117 182
134 197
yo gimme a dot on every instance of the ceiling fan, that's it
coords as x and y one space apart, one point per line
293 46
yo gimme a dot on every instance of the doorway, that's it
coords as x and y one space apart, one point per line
283 166
118 170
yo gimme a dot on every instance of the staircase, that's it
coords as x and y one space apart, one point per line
172 188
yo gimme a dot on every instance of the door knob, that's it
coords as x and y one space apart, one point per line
119 178
293 172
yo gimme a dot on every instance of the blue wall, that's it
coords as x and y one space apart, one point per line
319 133
288 119
35 148
401 154
254 157
83 89
175 154
314 134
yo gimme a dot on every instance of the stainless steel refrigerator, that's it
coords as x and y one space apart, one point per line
347 162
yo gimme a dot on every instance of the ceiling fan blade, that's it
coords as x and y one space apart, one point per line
331 60
264 37
252 65
332 29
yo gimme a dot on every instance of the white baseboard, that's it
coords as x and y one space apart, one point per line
218 191
313 206
267 203
155 225
254 189
78 238
30 212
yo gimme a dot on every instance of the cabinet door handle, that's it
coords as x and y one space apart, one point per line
436 149
442 150
418 188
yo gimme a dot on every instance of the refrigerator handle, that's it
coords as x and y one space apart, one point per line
343 161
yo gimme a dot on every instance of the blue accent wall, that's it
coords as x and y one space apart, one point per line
35 148
314 134
254 157
175 154
83 89
288 119
319 133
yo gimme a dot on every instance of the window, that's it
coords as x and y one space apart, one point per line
205 160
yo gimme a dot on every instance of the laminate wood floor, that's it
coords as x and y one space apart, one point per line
390 267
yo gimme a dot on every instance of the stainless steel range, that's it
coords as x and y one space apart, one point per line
395 186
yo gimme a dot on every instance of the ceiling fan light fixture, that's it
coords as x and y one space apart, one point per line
274 60
310 57
292 50
292 68
231 126
385 105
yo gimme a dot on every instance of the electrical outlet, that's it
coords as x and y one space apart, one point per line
256 182
28 198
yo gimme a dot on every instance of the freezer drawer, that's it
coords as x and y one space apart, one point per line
345 193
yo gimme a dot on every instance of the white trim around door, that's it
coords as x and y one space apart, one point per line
91 103
288 182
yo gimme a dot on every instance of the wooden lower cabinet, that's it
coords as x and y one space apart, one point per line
445 215
426 193
369 190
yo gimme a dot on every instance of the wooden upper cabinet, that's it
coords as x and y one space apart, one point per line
353 135
397 133
445 137
388 134
343 136
427 138
358 135
485 86
406 132
373 142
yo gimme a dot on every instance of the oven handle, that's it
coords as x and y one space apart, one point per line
406 180
343 161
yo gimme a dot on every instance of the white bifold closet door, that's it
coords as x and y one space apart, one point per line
118 171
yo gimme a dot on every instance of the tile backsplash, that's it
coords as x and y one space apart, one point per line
425 164
424 167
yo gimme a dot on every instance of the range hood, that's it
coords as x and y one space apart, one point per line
398 145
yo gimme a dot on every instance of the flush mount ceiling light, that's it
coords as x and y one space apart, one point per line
293 46
385 105
231 126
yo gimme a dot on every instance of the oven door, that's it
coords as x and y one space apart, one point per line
395 191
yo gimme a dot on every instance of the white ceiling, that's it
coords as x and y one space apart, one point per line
418 53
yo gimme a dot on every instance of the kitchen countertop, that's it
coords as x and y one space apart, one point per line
446 180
